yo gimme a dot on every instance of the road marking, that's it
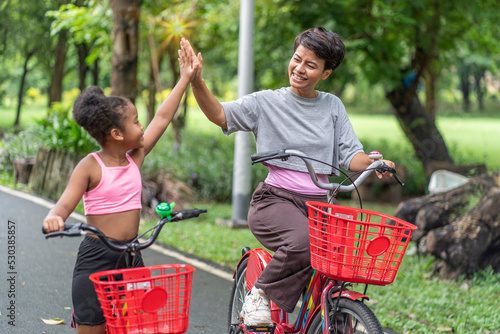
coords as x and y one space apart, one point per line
185 259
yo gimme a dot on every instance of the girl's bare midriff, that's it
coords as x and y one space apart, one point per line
121 226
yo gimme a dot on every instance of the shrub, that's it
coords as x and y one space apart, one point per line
64 133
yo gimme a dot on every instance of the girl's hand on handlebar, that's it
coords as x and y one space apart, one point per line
386 174
53 224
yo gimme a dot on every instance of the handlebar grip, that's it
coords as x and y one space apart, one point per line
264 156
67 226
186 214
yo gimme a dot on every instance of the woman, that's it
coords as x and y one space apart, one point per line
296 117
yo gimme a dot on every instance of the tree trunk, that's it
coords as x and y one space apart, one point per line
479 74
82 64
152 95
431 77
420 129
20 95
126 15
465 86
95 73
179 120
56 83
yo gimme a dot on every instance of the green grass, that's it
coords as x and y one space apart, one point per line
418 303
29 113
469 140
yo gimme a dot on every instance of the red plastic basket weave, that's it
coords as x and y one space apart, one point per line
356 245
152 299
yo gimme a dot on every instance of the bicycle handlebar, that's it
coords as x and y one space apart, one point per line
79 229
378 165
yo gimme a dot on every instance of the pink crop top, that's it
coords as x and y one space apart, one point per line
119 189
299 182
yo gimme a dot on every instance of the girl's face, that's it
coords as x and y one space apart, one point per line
134 130
305 70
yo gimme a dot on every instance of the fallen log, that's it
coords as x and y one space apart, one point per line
460 227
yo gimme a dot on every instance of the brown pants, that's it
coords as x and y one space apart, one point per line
278 219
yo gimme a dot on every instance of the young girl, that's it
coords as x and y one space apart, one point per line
110 183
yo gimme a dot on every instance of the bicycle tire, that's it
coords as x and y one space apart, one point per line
237 299
351 313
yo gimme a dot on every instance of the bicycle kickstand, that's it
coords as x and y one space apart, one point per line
261 329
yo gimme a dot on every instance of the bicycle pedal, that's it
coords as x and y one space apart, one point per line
261 329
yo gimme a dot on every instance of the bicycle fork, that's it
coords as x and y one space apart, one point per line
330 298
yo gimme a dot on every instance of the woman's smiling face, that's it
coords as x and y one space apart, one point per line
305 70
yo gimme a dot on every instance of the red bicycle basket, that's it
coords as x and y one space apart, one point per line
153 299
356 245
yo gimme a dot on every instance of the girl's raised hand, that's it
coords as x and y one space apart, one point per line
186 53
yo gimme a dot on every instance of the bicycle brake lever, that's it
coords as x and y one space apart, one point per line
401 183
264 156
385 168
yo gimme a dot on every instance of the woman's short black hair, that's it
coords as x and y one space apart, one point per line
98 113
325 44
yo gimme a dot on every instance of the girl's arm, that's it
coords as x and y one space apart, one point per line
167 109
77 185
210 106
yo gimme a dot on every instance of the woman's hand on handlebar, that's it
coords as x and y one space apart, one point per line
386 173
53 224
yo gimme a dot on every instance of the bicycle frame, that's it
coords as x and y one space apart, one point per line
323 294
314 299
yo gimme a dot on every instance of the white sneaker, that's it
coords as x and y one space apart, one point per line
256 310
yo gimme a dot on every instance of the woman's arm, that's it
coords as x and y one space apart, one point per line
210 106
361 161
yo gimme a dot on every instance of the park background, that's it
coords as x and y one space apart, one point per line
439 57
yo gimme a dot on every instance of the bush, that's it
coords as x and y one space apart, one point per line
21 145
64 133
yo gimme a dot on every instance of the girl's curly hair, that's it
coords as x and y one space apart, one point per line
98 113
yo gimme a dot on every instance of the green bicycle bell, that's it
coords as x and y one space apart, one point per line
164 210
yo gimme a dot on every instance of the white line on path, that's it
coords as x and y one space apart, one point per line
185 259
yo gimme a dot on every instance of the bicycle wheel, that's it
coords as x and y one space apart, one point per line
353 317
238 293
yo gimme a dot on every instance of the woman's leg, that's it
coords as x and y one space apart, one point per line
278 219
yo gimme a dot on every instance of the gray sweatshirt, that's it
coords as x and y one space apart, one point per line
281 119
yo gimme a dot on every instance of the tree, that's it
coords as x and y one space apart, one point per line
89 28
126 15
27 42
